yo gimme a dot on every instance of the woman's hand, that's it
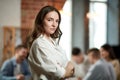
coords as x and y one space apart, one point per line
79 78
69 70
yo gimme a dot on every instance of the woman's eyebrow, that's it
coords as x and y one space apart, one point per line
52 18
49 18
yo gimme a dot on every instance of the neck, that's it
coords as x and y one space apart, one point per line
47 35
95 60
17 59
108 59
72 58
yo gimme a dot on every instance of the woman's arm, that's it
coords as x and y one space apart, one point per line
39 59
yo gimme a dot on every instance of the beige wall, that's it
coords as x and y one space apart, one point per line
10 13
1 43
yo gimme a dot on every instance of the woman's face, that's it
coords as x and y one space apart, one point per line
51 22
104 53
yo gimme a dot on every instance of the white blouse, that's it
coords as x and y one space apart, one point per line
47 59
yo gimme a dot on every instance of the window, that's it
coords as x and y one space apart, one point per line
99 0
97 23
66 14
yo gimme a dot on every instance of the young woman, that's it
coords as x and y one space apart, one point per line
47 60
108 54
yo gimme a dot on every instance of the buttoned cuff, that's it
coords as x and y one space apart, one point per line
60 72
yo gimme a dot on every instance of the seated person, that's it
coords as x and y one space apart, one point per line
80 62
100 69
16 68
108 54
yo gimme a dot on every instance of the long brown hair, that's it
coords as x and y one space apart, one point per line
38 25
110 50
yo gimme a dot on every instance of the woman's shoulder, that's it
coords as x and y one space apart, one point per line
39 42
115 62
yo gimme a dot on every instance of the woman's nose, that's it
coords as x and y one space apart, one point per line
55 24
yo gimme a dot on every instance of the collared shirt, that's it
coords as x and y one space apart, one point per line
47 59
101 70
8 69
17 69
80 69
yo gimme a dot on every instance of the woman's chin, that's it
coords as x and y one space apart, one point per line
52 33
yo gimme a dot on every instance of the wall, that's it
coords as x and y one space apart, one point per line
1 43
78 38
113 23
10 15
30 8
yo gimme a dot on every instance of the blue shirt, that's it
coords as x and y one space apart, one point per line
101 70
8 67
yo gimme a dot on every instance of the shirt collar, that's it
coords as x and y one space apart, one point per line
14 61
53 41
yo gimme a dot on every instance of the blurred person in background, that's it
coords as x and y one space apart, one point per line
108 54
100 68
80 62
17 67
0 75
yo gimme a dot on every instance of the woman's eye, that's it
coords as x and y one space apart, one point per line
57 21
49 19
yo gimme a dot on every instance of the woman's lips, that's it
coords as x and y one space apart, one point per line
53 29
